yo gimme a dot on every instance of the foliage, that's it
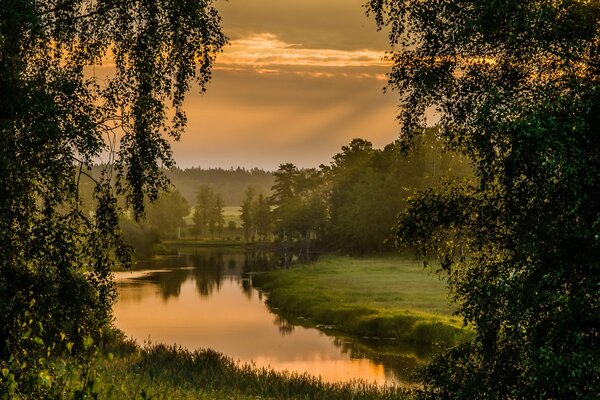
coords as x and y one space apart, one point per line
351 204
248 214
517 87
299 202
219 221
116 369
166 215
369 187
263 217
208 213
53 369
164 220
204 196
139 236
57 116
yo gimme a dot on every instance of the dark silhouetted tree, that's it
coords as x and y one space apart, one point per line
208 214
517 86
56 116
299 203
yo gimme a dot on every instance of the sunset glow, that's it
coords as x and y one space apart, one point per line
299 80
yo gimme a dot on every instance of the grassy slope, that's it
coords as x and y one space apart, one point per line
373 297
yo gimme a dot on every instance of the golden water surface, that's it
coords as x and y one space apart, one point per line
210 304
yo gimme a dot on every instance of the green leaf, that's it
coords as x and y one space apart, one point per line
87 342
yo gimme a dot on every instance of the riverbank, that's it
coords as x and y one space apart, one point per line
160 371
380 297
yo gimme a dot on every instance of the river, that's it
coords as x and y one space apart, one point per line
203 298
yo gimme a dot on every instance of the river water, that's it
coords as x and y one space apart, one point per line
203 298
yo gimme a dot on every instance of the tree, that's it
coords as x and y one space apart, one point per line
299 203
517 87
218 216
203 217
284 199
247 214
166 215
56 117
366 188
263 217
232 226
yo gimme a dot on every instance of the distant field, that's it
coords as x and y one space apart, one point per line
380 296
230 214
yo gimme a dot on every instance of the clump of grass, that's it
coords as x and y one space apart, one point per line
385 297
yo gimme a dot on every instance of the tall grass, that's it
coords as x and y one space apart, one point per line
168 372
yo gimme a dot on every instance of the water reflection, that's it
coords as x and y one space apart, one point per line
204 298
206 267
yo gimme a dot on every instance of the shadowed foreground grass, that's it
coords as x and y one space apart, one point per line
167 372
386 297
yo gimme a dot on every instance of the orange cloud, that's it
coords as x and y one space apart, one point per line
266 52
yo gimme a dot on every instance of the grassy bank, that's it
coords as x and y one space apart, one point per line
166 372
386 297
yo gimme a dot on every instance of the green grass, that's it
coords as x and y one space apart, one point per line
167 372
385 297
232 214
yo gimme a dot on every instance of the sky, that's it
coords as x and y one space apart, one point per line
299 79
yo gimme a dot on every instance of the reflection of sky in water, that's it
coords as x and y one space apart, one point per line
214 307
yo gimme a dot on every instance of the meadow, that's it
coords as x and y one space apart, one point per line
375 297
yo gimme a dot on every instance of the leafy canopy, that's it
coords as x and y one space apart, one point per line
516 86
60 111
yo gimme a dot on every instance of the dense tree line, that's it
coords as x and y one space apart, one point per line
352 203
230 183
255 214
166 220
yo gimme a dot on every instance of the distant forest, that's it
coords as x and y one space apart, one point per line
231 184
